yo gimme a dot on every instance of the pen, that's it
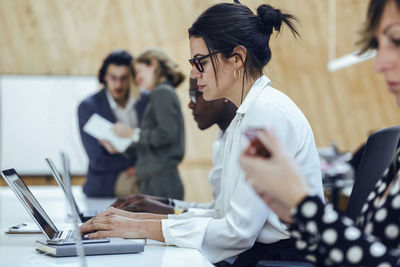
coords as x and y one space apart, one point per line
19 226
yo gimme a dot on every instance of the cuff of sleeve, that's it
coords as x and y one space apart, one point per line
136 135
181 233
180 203
164 229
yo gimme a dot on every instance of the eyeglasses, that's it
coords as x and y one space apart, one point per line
113 78
197 61
194 94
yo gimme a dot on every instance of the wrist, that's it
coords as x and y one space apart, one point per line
152 229
170 210
297 197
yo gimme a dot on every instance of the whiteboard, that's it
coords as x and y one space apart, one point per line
38 119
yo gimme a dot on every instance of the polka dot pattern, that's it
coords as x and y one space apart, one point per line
313 247
364 208
309 209
395 189
368 229
396 202
352 233
378 184
377 249
392 231
301 245
385 172
330 216
382 188
376 203
312 227
328 238
336 255
371 196
381 215
354 254
311 258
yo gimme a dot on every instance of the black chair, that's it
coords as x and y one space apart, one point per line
284 264
377 156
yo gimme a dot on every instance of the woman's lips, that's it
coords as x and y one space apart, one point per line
201 87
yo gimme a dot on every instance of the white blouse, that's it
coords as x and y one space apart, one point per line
214 178
240 217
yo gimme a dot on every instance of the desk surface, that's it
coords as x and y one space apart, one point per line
19 250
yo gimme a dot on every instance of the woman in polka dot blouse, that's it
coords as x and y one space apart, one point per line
323 235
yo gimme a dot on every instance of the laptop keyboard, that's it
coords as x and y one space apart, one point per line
65 234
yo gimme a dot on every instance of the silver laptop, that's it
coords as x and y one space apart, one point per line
33 207
60 239
63 182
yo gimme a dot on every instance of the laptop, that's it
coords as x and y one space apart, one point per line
35 210
83 216
60 243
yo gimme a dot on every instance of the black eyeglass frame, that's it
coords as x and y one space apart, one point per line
196 61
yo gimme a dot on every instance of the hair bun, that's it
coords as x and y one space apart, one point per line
270 18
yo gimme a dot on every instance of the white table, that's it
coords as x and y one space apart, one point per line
19 250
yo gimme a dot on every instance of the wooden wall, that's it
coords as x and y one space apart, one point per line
73 36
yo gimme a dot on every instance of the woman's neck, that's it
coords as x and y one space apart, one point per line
241 90
161 80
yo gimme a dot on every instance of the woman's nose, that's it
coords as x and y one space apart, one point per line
385 59
195 73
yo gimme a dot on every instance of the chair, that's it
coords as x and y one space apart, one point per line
377 156
284 264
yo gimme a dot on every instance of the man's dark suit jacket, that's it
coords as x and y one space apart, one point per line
104 167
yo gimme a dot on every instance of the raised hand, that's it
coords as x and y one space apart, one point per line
122 130
108 146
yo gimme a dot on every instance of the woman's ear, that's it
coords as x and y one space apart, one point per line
239 54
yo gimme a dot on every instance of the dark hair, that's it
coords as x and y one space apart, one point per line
166 66
368 40
118 57
228 25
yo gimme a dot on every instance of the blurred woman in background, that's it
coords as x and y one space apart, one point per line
159 144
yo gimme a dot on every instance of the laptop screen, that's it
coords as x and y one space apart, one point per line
30 203
67 191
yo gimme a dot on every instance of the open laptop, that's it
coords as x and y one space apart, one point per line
84 216
34 209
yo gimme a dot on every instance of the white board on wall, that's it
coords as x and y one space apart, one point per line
38 119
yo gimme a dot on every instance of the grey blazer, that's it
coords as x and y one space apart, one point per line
161 146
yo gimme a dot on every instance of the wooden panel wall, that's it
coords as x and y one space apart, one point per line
73 36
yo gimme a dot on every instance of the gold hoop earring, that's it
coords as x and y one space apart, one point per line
235 74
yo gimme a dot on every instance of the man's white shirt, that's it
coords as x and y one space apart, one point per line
126 115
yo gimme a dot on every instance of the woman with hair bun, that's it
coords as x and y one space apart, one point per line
229 47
